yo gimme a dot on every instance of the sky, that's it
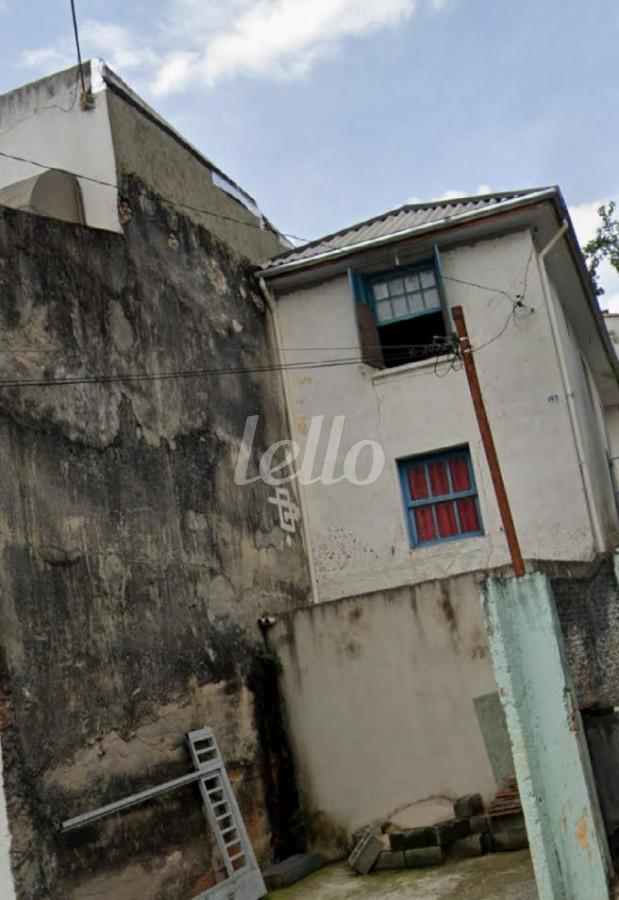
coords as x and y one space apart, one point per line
331 111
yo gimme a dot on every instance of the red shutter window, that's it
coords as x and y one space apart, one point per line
446 518
439 480
458 466
441 497
424 519
417 482
469 519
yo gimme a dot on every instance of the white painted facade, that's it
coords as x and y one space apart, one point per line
45 122
7 888
116 136
560 490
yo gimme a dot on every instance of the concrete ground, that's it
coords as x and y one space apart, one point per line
504 876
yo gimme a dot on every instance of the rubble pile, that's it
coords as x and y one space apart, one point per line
473 831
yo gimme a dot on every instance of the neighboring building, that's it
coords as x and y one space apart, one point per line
391 681
134 570
118 136
547 372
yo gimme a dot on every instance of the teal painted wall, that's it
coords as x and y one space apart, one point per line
552 763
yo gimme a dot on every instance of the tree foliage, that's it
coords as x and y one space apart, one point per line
604 246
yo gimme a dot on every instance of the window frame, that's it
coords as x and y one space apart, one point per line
368 326
371 278
410 505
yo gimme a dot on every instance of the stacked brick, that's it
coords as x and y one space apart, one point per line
506 819
470 833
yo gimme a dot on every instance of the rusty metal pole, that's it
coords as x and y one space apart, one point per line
488 442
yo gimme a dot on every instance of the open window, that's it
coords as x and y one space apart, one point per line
400 314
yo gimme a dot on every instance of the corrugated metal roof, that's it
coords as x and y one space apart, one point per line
404 218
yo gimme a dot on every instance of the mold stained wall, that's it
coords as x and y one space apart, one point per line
169 168
133 568
382 686
359 533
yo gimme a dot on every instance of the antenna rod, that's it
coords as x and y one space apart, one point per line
79 52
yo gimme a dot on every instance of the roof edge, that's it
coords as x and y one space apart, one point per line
273 268
115 83
120 87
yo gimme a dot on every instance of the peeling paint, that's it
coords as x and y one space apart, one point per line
582 830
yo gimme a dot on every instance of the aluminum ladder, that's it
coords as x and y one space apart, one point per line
243 878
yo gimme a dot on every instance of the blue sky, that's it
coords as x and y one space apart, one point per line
330 111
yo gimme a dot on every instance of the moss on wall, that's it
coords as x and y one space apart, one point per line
133 569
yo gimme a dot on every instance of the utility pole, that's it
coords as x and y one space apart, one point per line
488 442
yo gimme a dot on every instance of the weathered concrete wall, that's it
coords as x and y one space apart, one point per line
359 533
379 693
552 762
133 569
169 167
587 600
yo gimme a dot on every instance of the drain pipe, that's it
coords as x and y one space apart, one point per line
271 306
596 528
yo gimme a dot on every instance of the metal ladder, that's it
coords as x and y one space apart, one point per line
244 880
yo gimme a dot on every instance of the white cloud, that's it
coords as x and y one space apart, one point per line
268 38
43 55
116 45
113 42
175 71
206 41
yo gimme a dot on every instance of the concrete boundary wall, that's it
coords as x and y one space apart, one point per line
550 752
379 693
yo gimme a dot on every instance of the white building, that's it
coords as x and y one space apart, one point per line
103 138
379 293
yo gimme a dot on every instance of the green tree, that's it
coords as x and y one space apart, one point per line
604 246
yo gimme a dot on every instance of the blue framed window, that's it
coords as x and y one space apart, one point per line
403 294
399 312
440 497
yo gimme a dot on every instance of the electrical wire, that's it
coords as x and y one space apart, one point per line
62 351
108 184
420 350
517 301
208 212
77 47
